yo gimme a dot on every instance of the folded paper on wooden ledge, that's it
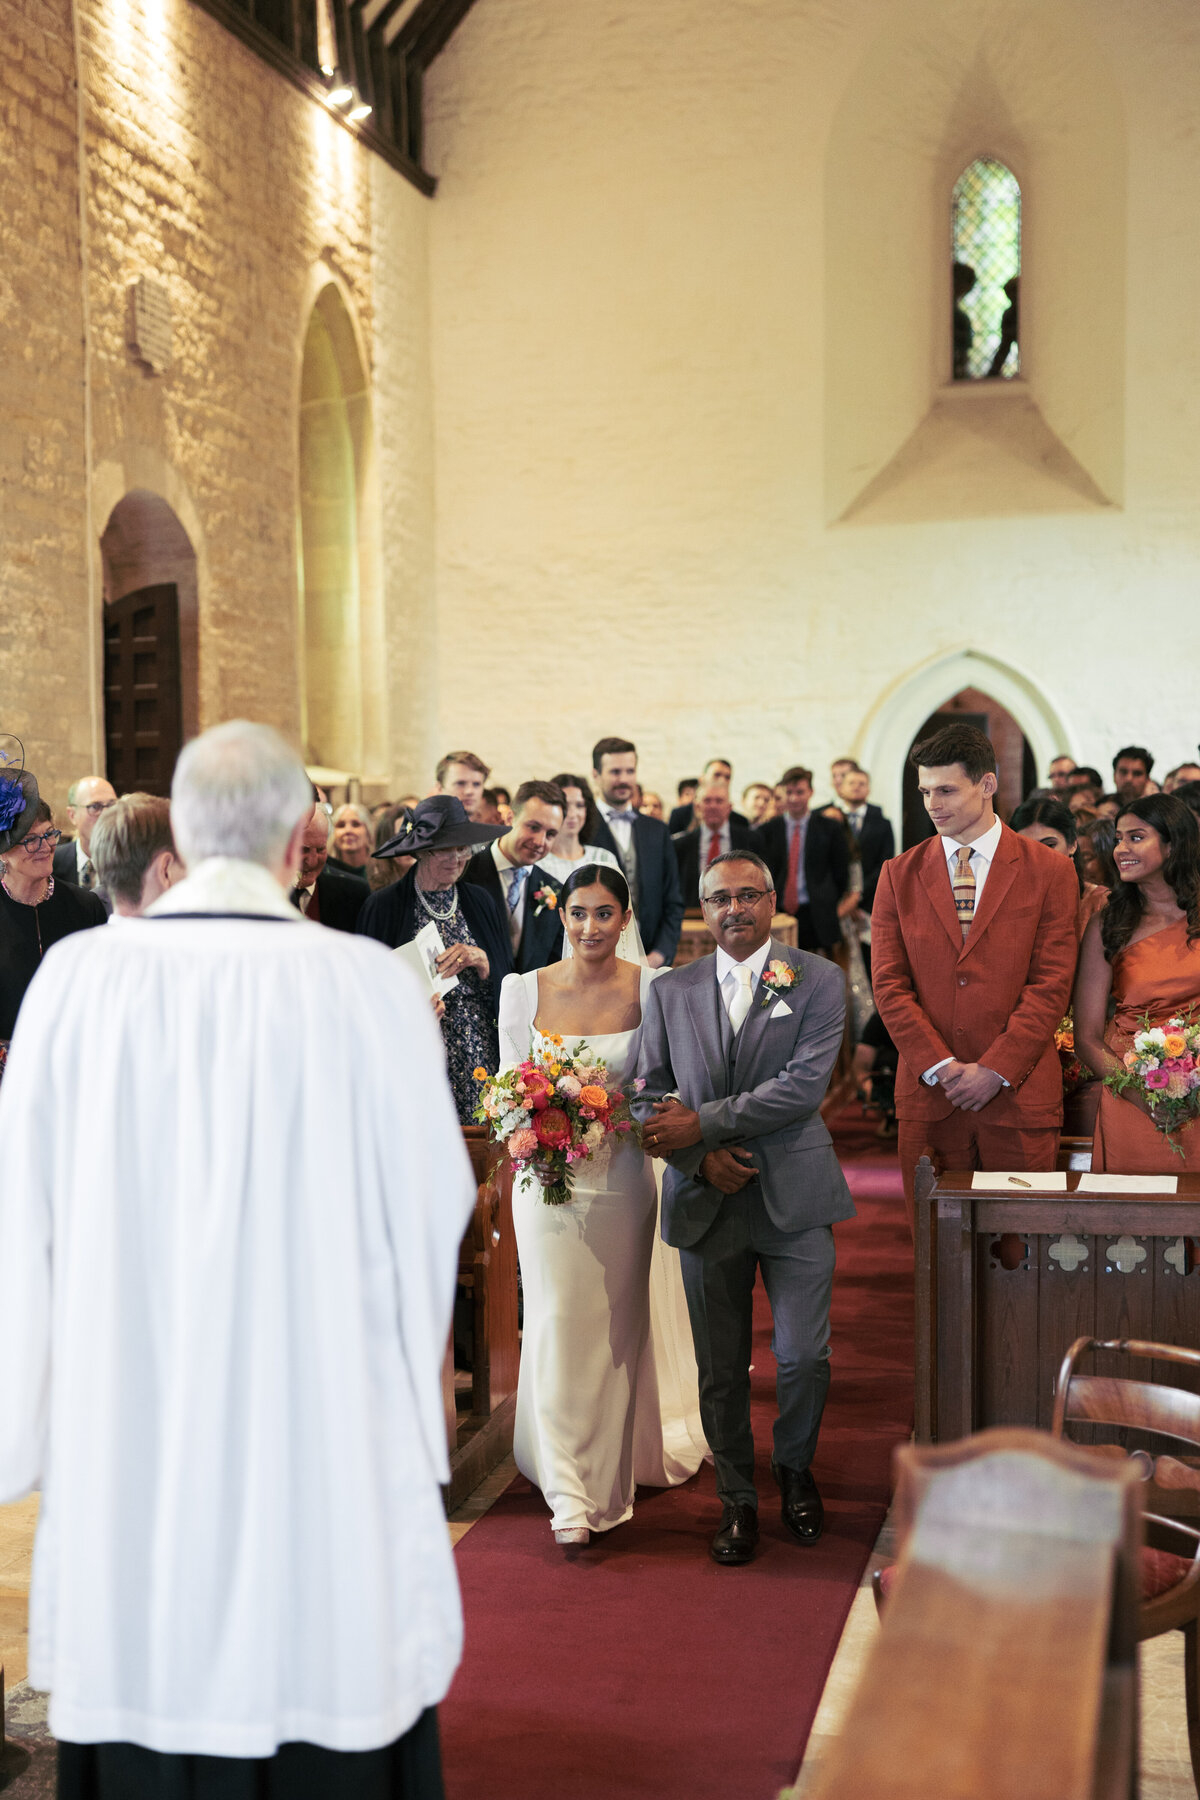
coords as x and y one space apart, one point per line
1016 1181
1128 1184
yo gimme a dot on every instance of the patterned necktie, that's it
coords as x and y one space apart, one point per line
791 890
516 888
714 848
88 877
739 1006
963 883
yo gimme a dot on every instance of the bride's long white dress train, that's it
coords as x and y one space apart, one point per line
607 1394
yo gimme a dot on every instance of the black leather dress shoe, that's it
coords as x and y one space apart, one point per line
802 1511
737 1536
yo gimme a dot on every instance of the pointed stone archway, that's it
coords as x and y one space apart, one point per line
898 715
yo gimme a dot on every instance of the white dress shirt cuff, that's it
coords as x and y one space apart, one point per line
930 1076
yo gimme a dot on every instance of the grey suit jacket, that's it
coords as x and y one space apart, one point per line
761 1091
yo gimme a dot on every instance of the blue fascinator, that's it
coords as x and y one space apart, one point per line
18 793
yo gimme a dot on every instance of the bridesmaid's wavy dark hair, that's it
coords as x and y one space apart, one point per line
591 811
588 874
1057 817
1176 825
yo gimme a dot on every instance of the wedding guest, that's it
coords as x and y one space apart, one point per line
1084 776
974 947
488 812
86 800
642 846
652 804
573 846
1060 771
511 870
1050 823
1142 952
463 774
134 851
1131 771
1109 805
607 1395
873 836
715 833
36 910
758 801
685 794
498 801
839 768
321 894
809 859
439 836
1184 773
1096 839
353 839
1189 793
226 1303
1084 799
716 771
381 872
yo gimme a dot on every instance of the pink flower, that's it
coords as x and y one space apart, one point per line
553 1128
522 1144
1156 1078
569 1085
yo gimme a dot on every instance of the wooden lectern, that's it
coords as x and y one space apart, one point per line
1007 1281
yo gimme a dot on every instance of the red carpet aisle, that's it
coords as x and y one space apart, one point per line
641 1668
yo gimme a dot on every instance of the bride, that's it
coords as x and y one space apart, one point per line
607 1392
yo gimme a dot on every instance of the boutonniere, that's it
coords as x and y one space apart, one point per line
779 978
545 897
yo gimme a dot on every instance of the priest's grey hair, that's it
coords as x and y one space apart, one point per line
239 790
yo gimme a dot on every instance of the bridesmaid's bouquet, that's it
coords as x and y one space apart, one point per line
1162 1067
552 1111
1073 1072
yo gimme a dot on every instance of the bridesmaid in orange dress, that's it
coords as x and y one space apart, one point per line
1049 822
1144 949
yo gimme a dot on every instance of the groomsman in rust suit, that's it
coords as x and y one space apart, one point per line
973 941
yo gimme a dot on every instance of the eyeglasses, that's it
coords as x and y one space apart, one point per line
31 845
744 897
96 807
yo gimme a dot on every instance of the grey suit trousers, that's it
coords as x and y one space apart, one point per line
718 1279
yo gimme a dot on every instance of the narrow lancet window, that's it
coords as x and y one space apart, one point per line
987 272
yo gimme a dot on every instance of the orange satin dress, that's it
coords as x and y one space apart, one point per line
1160 976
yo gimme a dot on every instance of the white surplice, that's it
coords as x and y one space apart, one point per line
607 1392
234 1189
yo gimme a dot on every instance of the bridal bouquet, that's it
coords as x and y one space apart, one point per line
1163 1069
551 1112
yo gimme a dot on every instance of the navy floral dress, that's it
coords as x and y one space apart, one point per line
469 1027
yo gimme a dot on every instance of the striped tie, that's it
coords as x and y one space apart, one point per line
963 883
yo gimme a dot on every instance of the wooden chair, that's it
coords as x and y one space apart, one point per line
1171 1557
1007 1664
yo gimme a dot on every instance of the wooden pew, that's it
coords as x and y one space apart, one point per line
1006 1667
487 1274
1007 1281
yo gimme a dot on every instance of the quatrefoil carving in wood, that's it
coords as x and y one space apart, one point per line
1069 1252
1125 1254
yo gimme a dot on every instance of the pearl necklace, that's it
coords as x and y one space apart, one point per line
442 918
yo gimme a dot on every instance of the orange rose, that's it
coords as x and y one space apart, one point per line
595 1097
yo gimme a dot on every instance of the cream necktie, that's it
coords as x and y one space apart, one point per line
739 1006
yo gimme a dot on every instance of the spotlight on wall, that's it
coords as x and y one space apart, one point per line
327 69
361 111
340 95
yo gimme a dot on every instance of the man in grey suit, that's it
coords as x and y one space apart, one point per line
736 1054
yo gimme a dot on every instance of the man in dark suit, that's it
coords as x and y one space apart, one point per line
643 848
86 800
684 818
322 894
872 832
809 859
716 833
509 870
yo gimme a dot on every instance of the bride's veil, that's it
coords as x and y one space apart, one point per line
629 944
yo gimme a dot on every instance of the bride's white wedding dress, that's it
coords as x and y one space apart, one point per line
607 1392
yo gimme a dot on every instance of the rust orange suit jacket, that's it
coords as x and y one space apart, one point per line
996 999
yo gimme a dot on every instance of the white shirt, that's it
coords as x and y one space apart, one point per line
226 1377
706 838
982 852
622 829
726 971
507 872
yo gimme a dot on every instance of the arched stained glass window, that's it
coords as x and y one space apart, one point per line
987 271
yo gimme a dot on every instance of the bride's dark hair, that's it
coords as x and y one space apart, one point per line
588 874
1176 825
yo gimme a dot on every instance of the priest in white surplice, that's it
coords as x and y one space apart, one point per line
234 1188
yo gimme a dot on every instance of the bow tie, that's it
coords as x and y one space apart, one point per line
627 818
